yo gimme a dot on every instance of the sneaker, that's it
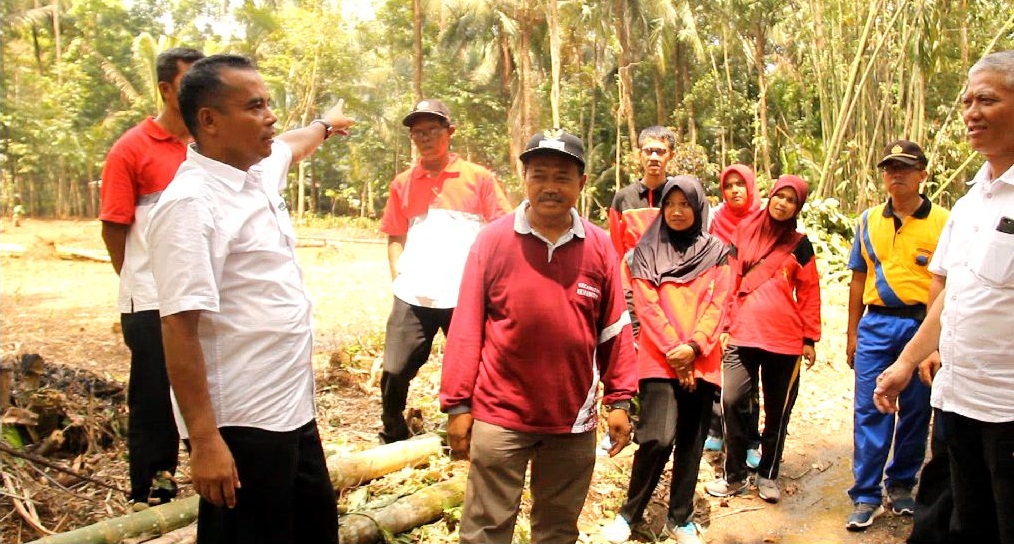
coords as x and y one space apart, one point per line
901 501
863 516
768 490
753 458
617 531
685 534
722 488
713 443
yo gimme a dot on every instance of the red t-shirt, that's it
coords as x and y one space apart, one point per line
143 161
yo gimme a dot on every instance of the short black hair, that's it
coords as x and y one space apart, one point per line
202 85
657 132
167 63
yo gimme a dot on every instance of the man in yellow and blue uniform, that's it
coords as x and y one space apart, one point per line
891 282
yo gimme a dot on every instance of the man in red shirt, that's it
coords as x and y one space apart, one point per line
433 214
541 320
139 166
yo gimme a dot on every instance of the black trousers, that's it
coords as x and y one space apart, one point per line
717 429
742 367
153 442
409 338
673 422
286 495
982 477
935 521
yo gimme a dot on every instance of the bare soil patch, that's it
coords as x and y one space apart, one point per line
65 311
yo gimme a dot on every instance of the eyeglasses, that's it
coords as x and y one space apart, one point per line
424 133
897 168
649 151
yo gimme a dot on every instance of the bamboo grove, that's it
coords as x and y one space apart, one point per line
812 87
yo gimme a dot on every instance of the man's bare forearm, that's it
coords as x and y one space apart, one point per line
114 235
185 364
395 247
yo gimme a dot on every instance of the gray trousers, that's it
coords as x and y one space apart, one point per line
562 466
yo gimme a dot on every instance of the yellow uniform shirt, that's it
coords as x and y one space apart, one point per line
895 254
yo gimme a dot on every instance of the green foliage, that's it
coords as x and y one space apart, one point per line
72 84
831 232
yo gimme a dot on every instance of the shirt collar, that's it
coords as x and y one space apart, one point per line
922 212
450 170
233 177
155 131
983 176
523 226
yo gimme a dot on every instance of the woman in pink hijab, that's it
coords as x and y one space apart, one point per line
739 199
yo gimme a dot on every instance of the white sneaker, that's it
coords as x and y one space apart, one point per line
686 534
617 531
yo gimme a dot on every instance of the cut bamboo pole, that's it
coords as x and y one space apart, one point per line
404 514
349 470
157 520
345 470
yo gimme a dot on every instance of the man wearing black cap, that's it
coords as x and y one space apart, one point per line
433 213
540 320
892 283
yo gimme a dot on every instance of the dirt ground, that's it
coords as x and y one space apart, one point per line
65 311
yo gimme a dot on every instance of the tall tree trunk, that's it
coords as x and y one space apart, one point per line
621 18
759 50
417 74
554 54
661 115
679 92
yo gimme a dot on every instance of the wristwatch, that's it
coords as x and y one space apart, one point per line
328 127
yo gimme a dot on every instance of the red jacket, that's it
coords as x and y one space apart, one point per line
783 312
672 314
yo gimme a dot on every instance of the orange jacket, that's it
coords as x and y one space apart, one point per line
672 314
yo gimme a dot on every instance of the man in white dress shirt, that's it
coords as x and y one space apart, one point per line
236 316
972 321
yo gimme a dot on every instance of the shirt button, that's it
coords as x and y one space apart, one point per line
989 195
975 229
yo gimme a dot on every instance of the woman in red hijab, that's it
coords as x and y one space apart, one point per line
681 282
739 200
773 322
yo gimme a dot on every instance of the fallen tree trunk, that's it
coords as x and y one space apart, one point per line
404 514
76 253
349 470
157 520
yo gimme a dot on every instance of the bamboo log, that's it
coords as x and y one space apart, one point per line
404 514
16 250
186 535
346 470
349 470
154 521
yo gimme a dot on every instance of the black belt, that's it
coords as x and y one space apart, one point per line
915 311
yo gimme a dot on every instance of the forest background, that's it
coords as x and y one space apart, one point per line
811 87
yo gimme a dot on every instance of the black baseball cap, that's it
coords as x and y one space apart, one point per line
905 152
429 106
554 141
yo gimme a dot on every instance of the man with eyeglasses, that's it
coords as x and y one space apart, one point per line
433 213
636 205
892 283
